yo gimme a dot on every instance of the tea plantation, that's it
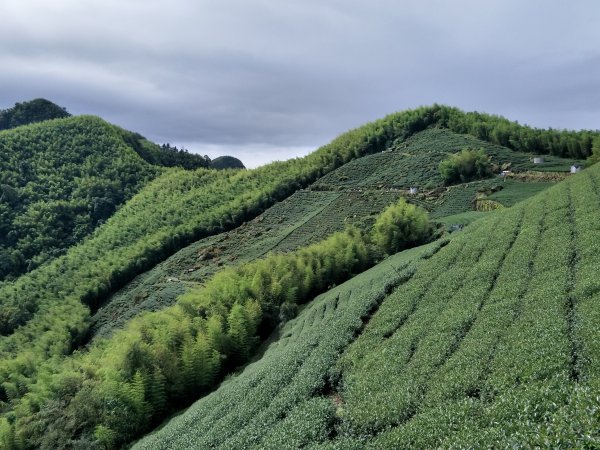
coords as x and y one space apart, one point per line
489 341
483 338
350 195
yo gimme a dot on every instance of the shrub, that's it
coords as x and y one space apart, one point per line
465 166
400 226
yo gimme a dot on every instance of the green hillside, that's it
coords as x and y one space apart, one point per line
332 203
58 181
61 178
53 374
490 341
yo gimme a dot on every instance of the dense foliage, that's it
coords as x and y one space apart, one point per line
226 162
163 359
164 155
595 156
400 226
467 165
491 342
58 181
45 315
33 111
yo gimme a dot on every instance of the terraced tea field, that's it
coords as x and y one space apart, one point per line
351 195
516 191
490 341
415 162
244 411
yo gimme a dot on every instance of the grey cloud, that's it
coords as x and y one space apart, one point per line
259 78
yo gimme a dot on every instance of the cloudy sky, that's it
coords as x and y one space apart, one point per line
271 79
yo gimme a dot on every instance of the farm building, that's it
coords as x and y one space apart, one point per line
413 190
575 168
538 160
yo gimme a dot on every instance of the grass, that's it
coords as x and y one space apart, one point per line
489 341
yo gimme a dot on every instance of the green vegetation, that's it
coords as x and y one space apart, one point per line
595 155
489 342
226 162
163 155
287 398
513 192
162 359
464 218
400 226
25 113
304 218
46 315
58 181
467 165
460 198
415 162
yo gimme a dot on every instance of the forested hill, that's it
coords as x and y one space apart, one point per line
58 180
105 395
36 110
63 176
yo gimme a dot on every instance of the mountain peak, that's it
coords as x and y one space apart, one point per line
36 110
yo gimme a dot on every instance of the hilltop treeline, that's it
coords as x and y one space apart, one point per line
33 111
45 315
164 155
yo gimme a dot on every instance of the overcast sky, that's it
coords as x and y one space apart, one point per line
271 79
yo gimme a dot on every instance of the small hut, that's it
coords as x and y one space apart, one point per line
575 168
538 160
413 190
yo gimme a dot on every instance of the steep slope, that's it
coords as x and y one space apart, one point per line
46 315
58 181
353 194
490 342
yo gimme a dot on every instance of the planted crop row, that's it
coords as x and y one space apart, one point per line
348 208
415 162
292 383
395 373
523 376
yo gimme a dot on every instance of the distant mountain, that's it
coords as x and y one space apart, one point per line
33 111
226 162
